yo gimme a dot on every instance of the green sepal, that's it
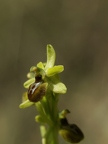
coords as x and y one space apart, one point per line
26 104
54 70
59 88
29 82
50 57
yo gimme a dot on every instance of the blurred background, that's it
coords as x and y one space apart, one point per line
78 30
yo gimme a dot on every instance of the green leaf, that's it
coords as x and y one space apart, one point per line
29 82
54 70
50 57
59 88
26 104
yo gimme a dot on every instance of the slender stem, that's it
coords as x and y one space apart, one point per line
55 107
50 136
55 136
49 132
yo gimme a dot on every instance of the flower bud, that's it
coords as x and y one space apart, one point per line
40 119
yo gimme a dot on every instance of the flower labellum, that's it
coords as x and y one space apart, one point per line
37 90
71 133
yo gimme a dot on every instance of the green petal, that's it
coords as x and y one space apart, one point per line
29 82
40 65
33 68
26 104
30 75
54 70
63 113
50 57
24 97
40 69
59 88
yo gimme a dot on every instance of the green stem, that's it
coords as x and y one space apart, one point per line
55 136
55 107
49 132
49 136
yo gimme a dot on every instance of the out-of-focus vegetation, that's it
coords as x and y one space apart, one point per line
78 30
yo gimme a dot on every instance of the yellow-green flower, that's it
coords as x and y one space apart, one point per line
50 78
69 132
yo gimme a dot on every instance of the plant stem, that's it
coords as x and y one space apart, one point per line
55 136
50 136
49 132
